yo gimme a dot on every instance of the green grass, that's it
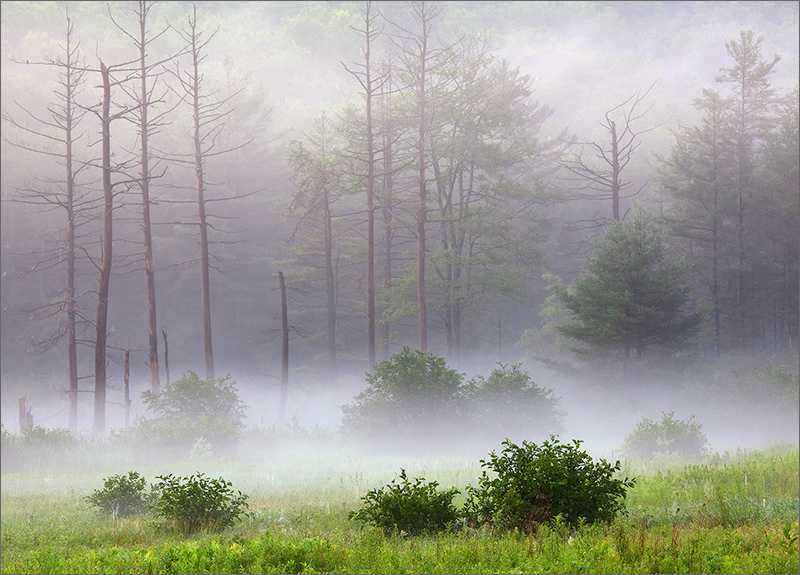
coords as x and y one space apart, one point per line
680 519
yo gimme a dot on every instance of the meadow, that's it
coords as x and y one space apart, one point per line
734 512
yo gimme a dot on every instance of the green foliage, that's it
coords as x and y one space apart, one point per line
36 446
123 495
415 396
678 521
509 403
414 508
632 297
45 438
193 503
670 436
190 408
533 484
411 394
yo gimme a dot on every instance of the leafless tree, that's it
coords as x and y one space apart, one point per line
62 129
210 111
145 98
600 176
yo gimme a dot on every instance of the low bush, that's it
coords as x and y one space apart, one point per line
412 507
122 495
532 484
194 503
672 436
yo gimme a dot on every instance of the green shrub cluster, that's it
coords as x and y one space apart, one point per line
37 445
185 504
531 484
670 436
189 504
123 495
407 507
521 488
186 410
415 397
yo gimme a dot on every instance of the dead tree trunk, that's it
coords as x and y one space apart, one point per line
166 355
126 376
25 416
284 353
149 266
105 264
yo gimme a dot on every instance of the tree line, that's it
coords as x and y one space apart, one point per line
426 204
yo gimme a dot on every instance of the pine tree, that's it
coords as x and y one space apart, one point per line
633 296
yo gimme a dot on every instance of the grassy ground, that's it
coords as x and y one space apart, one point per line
735 513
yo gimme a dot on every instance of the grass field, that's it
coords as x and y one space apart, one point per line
734 513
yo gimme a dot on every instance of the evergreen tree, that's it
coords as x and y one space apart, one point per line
633 296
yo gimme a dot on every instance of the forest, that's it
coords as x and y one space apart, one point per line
293 192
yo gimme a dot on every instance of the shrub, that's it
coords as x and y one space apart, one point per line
532 484
190 408
649 438
122 495
189 504
413 394
414 508
38 446
509 402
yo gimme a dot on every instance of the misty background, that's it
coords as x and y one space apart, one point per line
285 63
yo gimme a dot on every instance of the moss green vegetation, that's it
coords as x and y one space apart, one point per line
734 513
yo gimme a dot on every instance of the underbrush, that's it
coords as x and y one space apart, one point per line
735 512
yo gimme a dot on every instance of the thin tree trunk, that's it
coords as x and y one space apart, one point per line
72 346
422 209
370 201
149 266
166 354
330 287
615 172
205 292
105 265
126 376
284 353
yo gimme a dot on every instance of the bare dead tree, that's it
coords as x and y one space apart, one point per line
145 98
600 176
61 128
106 245
210 111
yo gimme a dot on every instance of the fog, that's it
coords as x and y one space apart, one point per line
583 58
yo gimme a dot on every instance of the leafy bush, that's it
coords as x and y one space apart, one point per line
414 508
122 495
670 436
532 484
509 402
190 408
38 446
189 504
412 394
